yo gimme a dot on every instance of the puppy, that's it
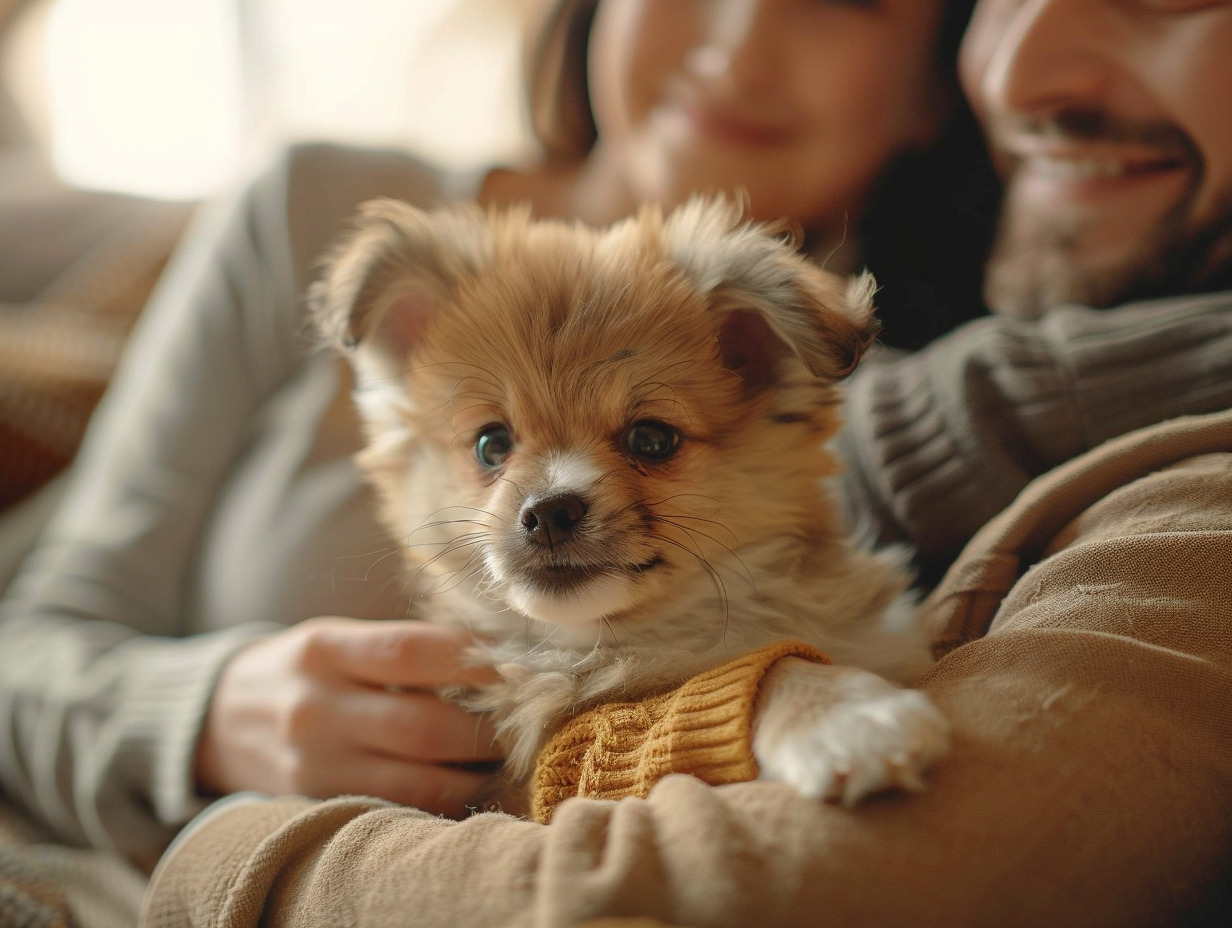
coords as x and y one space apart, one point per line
604 454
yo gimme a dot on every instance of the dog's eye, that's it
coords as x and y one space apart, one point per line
493 445
652 441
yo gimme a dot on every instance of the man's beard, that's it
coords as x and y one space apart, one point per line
1036 262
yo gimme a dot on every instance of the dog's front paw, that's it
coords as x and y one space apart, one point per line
841 733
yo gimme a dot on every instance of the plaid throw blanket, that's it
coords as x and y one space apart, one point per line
29 897
57 352
48 885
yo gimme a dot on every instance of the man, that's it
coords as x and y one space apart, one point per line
1085 634
1117 143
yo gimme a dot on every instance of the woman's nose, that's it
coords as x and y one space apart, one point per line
739 43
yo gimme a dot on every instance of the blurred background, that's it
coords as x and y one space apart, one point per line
118 117
172 98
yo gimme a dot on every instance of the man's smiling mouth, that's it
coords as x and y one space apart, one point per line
1078 169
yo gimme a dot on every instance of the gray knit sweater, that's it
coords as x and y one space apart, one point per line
215 499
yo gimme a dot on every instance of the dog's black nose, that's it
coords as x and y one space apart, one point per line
551 521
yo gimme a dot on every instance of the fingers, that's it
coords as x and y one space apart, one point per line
415 727
340 706
406 653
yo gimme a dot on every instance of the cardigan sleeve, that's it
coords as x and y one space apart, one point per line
1089 782
938 442
101 697
215 501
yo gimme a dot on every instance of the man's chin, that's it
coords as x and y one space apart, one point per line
1040 262
1027 283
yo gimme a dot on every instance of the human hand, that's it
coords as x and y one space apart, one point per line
337 706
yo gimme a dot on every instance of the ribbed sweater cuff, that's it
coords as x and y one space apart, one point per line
703 728
169 694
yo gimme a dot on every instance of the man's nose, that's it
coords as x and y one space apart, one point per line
1026 56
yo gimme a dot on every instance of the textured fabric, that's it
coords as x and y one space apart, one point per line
46 885
58 352
623 749
1090 782
938 442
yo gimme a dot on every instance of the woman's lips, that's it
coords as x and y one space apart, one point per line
727 125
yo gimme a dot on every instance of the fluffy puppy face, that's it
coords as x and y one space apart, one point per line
572 422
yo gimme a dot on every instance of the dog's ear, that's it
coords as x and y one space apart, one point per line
382 282
771 298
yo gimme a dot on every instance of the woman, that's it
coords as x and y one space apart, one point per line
177 633
878 192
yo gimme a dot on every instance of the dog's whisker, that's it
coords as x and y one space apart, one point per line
384 552
444 509
504 478
384 557
675 496
748 574
466 572
475 541
660 375
417 545
472 568
482 528
719 586
611 630
670 518
595 648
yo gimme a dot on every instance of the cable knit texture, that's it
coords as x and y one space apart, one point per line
623 749
938 442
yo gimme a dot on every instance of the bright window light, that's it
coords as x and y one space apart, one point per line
177 98
144 95
440 77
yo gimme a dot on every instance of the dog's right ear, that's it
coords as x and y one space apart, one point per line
383 281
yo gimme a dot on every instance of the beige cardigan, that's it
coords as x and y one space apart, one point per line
1086 663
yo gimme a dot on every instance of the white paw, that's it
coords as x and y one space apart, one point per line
840 733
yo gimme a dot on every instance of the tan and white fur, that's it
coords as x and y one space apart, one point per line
604 453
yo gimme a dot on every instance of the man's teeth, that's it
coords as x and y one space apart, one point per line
1078 169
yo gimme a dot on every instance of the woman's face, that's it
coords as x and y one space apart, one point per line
797 104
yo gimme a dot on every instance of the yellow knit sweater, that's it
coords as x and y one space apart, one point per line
704 728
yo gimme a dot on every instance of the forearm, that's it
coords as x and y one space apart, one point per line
938 442
100 702
101 727
1038 818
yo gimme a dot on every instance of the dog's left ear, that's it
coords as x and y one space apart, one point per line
772 299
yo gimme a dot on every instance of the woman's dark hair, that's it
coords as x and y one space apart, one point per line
930 220
556 80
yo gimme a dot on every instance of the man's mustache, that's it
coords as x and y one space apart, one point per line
1098 126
